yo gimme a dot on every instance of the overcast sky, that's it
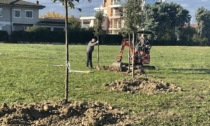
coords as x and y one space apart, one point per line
88 8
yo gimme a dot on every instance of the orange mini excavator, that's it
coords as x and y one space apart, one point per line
141 56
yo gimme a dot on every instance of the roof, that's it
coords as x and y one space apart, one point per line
20 3
193 25
47 21
52 22
87 18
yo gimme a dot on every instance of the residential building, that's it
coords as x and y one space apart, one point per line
112 10
18 14
87 22
52 24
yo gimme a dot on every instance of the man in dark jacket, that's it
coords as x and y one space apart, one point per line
90 48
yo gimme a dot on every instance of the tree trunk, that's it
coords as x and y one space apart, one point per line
98 52
67 53
129 54
133 57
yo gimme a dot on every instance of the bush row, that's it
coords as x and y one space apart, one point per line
49 37
44 36
4 36
77 37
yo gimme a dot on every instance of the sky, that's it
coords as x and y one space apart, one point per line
88 8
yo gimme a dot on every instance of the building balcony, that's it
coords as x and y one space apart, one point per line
115 4
116 15
115 27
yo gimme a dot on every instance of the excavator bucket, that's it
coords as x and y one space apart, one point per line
116 66
119 66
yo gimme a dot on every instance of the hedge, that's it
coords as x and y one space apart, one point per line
75 37
37 37
4 36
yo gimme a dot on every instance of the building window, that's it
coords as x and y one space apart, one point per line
29 14
58 29
17 13
1 12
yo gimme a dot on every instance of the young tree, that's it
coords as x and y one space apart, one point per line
133 15
98 29
70 4
133 18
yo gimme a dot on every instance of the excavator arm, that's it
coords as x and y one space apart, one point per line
140 55
125 43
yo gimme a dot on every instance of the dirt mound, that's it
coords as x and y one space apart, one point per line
143 84
61 113
116 69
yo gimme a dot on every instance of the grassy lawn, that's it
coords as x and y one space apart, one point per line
32 73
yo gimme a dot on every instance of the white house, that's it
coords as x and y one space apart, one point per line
87 22
18 14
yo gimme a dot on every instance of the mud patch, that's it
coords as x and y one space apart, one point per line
61 113
143 84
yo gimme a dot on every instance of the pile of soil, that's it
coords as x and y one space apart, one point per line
143 84
110 68
61 113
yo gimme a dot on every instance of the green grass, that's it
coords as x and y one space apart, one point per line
28 74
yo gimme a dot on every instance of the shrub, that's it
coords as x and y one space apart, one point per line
198 40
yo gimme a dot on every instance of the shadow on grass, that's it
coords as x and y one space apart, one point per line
191 70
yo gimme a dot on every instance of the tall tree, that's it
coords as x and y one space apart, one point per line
74 24
98 29
53 15
70 4
203 22
166 20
